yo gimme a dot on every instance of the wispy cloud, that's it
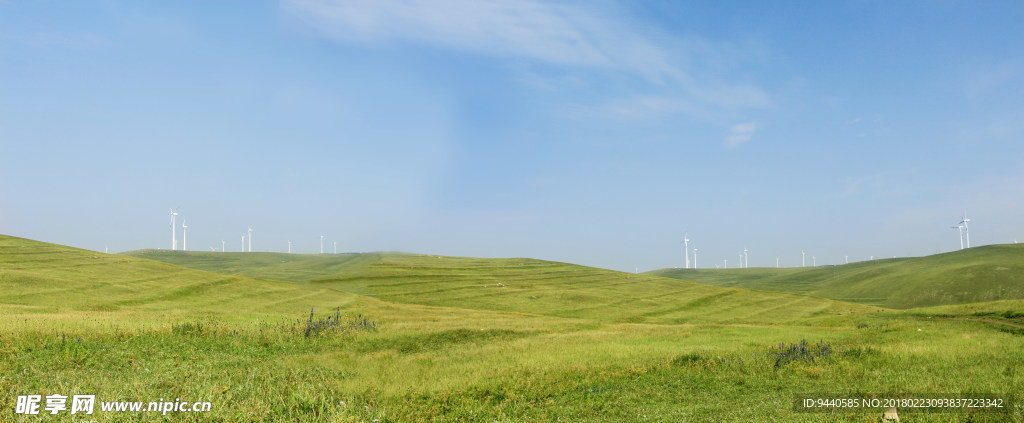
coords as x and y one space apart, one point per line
739 134
519 28
558 34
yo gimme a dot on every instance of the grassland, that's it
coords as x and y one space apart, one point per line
460 339
981 274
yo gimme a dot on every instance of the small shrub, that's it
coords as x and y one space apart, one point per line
331 324
802 351
189 329
687 359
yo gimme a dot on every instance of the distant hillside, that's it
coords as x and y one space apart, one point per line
981 274
519 285
38 278
300 268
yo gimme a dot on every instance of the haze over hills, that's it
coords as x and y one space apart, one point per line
519 285
980 274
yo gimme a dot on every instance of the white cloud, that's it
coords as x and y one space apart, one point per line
593 37
504 28
739 134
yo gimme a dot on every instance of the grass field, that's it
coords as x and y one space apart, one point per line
466 340
980 274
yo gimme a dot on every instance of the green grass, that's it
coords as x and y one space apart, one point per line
451 345
981 274
523 286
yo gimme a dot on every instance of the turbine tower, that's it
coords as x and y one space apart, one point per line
776 262
814 261
184 236
243 243
289 247
803 258
967 230
746 258
961 228
847 259
694 257
222 246
250 239
726 263
335 247
174 236
686 249
321 243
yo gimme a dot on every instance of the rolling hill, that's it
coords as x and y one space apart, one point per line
66 283
519 285
462 339
980 274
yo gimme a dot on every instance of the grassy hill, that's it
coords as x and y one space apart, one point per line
300 268
519 285
64 283
981 274
427 338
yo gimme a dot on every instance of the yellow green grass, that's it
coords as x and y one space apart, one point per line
451 345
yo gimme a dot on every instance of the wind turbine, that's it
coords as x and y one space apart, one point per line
776 262
803 258
222 245
726 263
741 261
746 258
184 236
212 249
814 261
335 247
174 232
289 247
686 249
243 243
321 243
250 239
694 257
847 259
967 230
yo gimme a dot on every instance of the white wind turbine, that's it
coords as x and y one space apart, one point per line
222 246
967 230
803 258
243 243
746 258
725 263
686 249
814 261
184 236
174 230
250 239
694 257
776 262
335 247
289 247
321 243
961 228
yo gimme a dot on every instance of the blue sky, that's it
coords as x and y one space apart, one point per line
589 132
